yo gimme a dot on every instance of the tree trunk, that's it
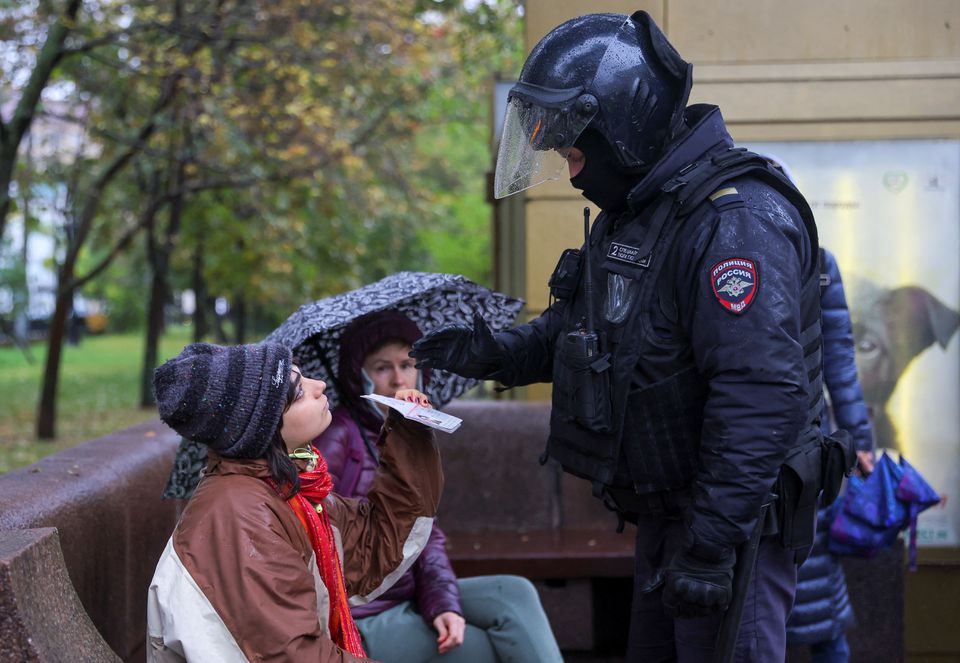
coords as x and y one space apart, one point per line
158 255
158 298
47 412
200 325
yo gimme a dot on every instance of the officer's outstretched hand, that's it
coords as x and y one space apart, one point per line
696 587
472 352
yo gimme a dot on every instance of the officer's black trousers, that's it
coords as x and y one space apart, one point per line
656 638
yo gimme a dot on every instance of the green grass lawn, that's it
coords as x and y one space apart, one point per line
99 393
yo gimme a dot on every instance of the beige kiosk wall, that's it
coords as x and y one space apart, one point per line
784 71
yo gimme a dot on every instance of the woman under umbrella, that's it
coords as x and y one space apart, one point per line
316 329
428 613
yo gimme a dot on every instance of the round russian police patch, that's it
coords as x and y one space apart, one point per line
735 283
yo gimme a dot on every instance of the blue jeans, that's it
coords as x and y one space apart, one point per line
831 651
505 622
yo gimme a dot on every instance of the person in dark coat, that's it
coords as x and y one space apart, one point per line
686 371
428 614
822 612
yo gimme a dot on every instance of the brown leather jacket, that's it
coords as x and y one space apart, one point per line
430 582
238 580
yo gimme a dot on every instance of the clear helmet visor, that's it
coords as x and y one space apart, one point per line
532 134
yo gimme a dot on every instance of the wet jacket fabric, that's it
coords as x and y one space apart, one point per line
239 581
822 609
430 582
749 365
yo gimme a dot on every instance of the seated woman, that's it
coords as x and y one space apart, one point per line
428 614
252 571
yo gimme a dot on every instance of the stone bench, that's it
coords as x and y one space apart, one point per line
103 498
41 617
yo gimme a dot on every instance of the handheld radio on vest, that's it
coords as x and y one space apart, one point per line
582 381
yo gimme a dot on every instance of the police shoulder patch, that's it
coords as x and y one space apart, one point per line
735 282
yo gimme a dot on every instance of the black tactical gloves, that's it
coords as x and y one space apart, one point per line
696 587
472 352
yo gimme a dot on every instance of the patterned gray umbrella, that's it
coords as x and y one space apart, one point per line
314 331
429 299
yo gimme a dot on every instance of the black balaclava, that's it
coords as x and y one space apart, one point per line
602 180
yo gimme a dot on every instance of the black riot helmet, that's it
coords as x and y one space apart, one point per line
615 74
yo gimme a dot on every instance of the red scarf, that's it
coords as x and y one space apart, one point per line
314 487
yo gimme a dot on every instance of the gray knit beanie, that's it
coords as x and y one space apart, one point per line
229 398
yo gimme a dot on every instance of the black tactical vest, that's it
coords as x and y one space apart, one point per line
599 411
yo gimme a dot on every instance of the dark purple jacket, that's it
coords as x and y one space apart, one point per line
430 581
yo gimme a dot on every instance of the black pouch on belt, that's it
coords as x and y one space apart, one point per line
797 489
838 459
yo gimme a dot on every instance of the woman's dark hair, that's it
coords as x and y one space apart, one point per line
282 469
395 340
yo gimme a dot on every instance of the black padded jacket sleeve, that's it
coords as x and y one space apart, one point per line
529 349
752 360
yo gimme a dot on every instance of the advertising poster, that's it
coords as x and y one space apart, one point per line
890 213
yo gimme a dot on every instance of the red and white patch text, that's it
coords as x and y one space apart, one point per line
735 282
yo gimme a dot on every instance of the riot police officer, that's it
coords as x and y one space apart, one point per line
683 345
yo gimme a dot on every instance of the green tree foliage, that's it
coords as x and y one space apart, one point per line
278 151
454 142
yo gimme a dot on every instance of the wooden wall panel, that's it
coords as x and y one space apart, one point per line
831 93
544 15
744 31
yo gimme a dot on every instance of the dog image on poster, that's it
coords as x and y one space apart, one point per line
891 328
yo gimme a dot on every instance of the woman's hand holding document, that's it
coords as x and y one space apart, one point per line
419 413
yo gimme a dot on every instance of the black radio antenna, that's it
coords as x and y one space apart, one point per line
587 278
